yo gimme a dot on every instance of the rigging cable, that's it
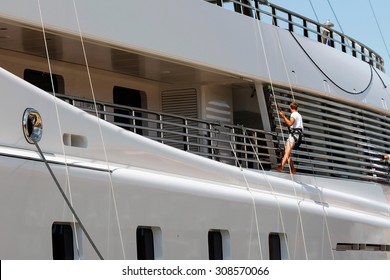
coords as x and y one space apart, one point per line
253 202
311 4
380 30
100 130
330 5
67 201
271 84
58 118
292 93
271 187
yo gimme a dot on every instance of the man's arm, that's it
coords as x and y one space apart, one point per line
287 121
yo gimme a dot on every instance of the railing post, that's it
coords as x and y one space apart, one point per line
305 32
319 33
186 138
353 48
362 53
331 39
370 55
290 24
274 19
343 48
160 127
210 141
257 10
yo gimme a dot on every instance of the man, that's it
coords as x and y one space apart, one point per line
295 124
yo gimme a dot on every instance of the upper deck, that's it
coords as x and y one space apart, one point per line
323 33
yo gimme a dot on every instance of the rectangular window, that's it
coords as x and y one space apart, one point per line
62 241
145 243
215 245
275 252
44 81
128 98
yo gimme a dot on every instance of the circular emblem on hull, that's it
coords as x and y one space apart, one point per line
32 125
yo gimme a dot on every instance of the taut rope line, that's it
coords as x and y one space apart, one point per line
253 200
280 124
100 129
58 118
68 202
273 193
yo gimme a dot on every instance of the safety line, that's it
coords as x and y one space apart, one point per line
68 202
379 28
100 130
58 116
280 124
253 200
273 193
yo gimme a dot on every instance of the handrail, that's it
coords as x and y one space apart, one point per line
283 18
214 140
347 154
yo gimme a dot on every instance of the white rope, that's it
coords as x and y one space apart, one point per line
253 202
100 131
293 97
272 191
330 5
311 4
59 127
280 124
379 28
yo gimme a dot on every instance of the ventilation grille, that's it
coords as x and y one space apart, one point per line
183 103
340 140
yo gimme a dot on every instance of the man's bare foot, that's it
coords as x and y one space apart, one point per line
278 170
293 171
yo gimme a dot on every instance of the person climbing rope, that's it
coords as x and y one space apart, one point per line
295 128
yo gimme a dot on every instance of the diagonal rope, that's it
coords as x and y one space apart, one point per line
100 128
58 120
253 199
330 5
280 124
67 201
311 4
379 28
272 190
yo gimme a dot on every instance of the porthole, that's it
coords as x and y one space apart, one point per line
32 125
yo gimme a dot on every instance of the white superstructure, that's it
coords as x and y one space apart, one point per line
163 134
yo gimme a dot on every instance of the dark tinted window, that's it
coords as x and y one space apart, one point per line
274 247
43 81
145 244
215 245
62 242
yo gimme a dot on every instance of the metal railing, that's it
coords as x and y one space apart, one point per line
231 144
296 23
340 140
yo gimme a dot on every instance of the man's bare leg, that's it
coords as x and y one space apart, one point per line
286 157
